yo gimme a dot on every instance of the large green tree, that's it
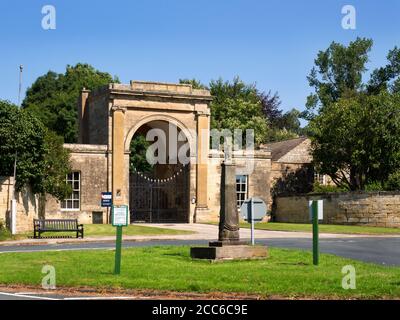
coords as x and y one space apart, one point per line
42 162
338 73
237 105
356 140
53 97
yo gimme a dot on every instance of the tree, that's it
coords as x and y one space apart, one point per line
42 162
196 84
270 106
356 140
337 74
138 160
236 105
53 97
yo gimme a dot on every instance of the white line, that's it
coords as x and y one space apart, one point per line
25 296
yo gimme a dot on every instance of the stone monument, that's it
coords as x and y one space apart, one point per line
229 245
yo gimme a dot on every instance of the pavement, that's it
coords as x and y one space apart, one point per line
382 249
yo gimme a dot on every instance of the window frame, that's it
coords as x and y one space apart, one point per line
78 190
239 201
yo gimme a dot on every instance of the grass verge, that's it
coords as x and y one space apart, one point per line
102 230
286 273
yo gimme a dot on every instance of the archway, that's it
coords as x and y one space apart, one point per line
159 173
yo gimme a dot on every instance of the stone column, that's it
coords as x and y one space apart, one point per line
229 216
83 116
203 135
118 156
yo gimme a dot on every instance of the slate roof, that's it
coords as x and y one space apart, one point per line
279 149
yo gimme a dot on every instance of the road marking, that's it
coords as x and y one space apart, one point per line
25 296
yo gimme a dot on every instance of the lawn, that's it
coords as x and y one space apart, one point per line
323 228
103 230
286 273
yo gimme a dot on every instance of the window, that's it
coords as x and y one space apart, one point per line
241 190
73 202
320 178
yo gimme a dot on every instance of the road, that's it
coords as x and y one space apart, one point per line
379 250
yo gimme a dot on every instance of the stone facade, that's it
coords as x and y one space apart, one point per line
27 205
380 209
110 116
91 161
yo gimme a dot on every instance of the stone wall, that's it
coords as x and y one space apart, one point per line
27 205
91 161
381 209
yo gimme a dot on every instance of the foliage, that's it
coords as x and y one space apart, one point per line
374 186
53 97
41 160
355 141
337 74
236 105
319 188
137 160
393 181
196 84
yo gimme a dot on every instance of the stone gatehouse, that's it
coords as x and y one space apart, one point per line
111 116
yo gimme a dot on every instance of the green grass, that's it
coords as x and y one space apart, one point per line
323 228
101 230
287 273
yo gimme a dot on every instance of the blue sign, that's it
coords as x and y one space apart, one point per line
106 199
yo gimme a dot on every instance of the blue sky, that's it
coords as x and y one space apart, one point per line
272 43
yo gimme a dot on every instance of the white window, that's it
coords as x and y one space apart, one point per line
320 178
73 202
241 190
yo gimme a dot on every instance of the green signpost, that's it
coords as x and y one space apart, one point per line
119 220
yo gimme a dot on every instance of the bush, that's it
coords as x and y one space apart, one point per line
4 233
393 182
374 186
319 188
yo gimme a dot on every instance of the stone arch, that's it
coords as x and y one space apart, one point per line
159 117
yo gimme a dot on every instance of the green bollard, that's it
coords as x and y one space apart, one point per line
315 233
118 246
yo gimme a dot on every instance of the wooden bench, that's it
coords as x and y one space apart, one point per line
56 225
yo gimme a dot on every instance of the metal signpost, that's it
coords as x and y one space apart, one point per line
316 214
253 209
119 220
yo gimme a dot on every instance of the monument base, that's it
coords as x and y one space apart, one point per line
229 252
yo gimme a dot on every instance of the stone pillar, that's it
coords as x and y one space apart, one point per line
229 216
118 156
203 134
83 116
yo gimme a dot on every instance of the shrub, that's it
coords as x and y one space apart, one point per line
319 188
393 182
374 186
